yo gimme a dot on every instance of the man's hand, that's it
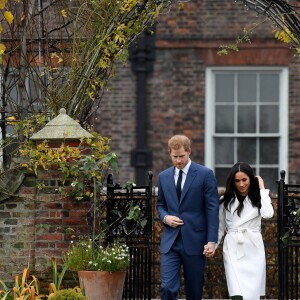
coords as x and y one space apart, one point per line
173 221
209 249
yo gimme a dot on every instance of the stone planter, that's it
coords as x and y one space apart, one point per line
102 285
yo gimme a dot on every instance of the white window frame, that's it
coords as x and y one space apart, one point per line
283 112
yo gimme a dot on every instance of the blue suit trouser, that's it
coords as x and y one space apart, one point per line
193 268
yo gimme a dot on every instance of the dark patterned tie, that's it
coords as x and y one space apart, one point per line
178 185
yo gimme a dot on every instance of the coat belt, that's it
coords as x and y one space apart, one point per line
240 238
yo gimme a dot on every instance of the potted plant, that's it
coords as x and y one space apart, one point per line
101 269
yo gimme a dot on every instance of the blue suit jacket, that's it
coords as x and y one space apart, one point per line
198 208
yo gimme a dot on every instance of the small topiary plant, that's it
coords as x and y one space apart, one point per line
67 294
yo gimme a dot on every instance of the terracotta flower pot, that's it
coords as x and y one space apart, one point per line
102 285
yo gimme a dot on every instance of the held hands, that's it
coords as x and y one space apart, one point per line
209 249
260 182
173 221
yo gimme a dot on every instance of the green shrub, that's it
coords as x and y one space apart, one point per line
67 294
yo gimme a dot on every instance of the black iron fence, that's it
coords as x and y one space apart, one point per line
129 218
288 239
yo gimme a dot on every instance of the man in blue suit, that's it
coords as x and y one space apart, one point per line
188 205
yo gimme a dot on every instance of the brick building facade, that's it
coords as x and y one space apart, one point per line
39 224
186 44
177 101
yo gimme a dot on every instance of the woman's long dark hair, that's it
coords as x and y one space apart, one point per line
231 192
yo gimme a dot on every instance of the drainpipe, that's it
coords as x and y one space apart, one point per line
141 55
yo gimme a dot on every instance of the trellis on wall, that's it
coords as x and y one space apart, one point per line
283 13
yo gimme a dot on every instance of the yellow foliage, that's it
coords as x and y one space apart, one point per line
3 3
285 35
25 289
27 127
282 36
11 120
2 50
102 31
73 163
54 55
107 40
64 13
8 17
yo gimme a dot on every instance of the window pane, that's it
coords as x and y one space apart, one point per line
269 87
33 87
224 88
247 122
270 175
269 150
224 119
246 148
221 176
224 153
247 88
269 119
246 119
12 91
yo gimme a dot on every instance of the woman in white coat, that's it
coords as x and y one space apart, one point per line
243 204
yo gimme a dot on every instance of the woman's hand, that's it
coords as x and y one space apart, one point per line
209 249
260 182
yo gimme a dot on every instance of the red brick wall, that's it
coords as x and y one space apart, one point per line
116 119
35 227
210 21
294 122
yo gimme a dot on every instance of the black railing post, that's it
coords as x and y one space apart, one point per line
280 235
149 224
288 239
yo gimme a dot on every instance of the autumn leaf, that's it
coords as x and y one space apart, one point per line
8 16
11 120
2 3
64 13
2 48
54 55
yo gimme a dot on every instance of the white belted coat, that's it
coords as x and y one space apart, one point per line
243 247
